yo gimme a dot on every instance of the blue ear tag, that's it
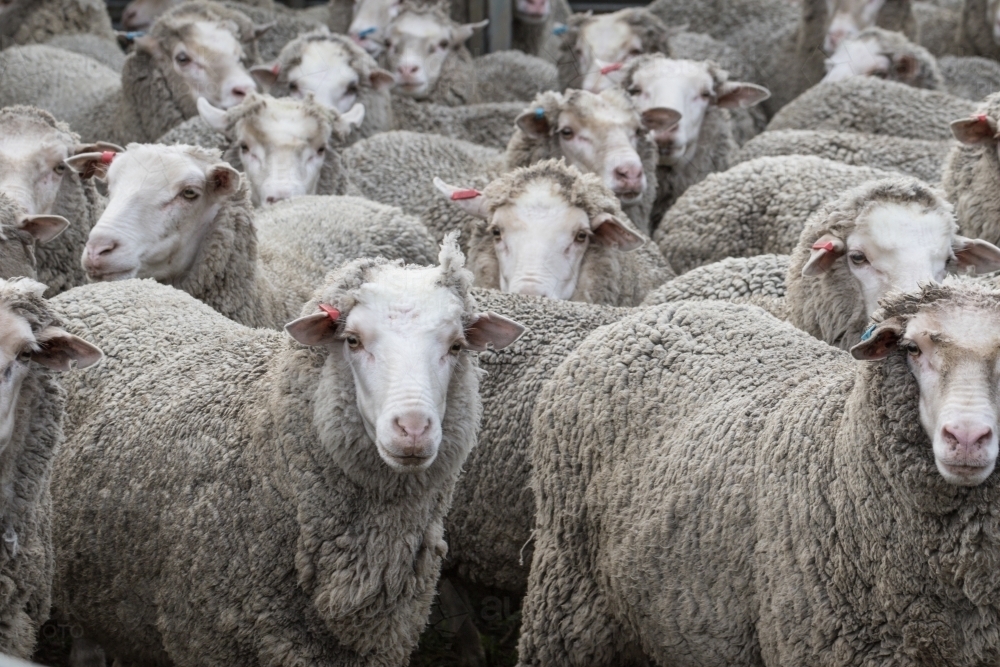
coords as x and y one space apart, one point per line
134 35
868 333
367 31
559 30
539 112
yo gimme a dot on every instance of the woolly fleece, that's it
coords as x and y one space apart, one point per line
38 21
970 179
17 247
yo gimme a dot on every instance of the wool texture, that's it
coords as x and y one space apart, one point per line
513 76
104 51
38 21
17 247
970 178
971 77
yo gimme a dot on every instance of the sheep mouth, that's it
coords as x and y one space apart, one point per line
966 472
110 276
629 196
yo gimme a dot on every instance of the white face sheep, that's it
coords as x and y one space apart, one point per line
161 201
543 221
847 18
371 17
282 142
691 88
418 42
886 55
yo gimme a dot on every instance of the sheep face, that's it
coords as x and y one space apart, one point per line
140 14
281 142
402 338
325 72
604 43
32 163
417 44
690 88
371 17
208 57
532 11
847 18
867 56
162 202
951 350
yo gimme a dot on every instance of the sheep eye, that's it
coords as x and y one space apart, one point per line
634 90
443 44
352 89
321 150
60 169
635 52
189 193
495 231
706 94
566 133
182 58
24 357
293 87
245 148
858 258
456 347
911 348
581 236
353 342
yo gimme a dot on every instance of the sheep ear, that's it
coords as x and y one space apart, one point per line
147 44
739 95
976 254
975 130
98 147
469 200
89 165
465 31
610 231
223 180
350 119
824 252
534 123
43 228
878 341
660 119
266 75
316 329
491 329
60 349
215 117
381 79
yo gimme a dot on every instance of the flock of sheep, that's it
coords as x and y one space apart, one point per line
679 323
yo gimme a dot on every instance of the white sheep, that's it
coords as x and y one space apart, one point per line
551 231
972 171
138 15
337 450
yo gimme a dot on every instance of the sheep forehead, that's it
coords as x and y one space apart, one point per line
854 7
328 61
282 122
663 71
212 37
15 332
541 205
607 33
155 168
597 112
894 228
398 297
421 26
864 55
30 146
975 330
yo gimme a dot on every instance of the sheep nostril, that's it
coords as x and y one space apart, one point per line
106 250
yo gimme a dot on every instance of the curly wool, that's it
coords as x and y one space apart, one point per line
78 200
873 106
286 26
102 50
27 560
346 554
921 158
759 280
489 124
972 78
511 76
970 179
524 150
38 21
489 541
761 484
17 247
755 208
607 275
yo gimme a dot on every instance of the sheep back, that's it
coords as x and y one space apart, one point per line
509 76
488 124
38 21
736 279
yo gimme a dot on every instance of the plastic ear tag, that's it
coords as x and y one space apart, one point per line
330 311
560 30
107 157
275 69
367 31
982 118
868 333
464 194
828 246
613 67
539 112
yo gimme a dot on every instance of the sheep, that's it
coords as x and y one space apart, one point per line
287 147
182 216
19 233
786 503
33 149
702 142
102 50
921 158
38 21
615 145
311 433
890 56
138 15
337 72
870 105
972 171
283 25
486 124
35 347
155 92
551 231
755 208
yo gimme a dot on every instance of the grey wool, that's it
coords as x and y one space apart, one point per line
921 158
490 524
608 275
489 124
939 27
195 132
754 280
779 498
870 105
975 32
78 199
345 553
27 559
38 21
513 76
755 208
971 175
971 77
104 51
284 27
150 98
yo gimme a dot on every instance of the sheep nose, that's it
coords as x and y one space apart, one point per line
538 6
409 70
966 436
412 425
629 176
99 251
240 91
275 198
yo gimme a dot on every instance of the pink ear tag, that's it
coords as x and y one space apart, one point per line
828 246
981 118
613 67
275 69
464 194
107 157
330 311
